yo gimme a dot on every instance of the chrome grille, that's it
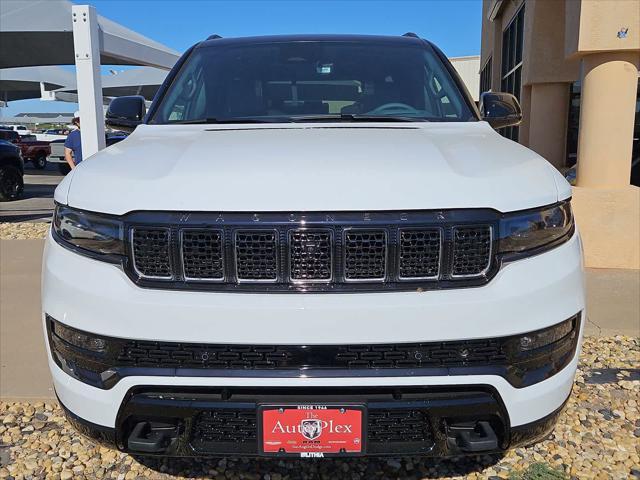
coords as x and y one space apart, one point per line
202 257
420 253
310 255
471 251
312 251
151 252
365 255
257 255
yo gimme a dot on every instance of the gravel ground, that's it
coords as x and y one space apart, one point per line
23 230
597 437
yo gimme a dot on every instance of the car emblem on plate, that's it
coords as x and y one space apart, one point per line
310 246
311 428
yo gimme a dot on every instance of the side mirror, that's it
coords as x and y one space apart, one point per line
500 109
126 113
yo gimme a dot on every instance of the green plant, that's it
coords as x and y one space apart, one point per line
539 471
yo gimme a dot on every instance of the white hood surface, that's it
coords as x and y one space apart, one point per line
312 167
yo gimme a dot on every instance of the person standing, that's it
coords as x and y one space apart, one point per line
73 144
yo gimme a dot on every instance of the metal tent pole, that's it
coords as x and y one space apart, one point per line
86 42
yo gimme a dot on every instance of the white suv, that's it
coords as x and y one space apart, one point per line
314 246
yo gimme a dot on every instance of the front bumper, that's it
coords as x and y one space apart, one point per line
526 295
422 421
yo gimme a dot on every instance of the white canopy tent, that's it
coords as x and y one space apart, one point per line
56 32
33 82
38 118
143 81
40 32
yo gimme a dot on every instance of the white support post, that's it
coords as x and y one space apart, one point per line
86 42
46 95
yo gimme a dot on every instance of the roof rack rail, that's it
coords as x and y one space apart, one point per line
215 36
410 34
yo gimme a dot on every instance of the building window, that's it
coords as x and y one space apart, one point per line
572 123
485 77
512 42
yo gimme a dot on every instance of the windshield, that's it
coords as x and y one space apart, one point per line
312 81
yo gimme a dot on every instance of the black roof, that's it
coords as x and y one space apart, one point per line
395 39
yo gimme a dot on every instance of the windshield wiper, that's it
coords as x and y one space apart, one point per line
352 117
222 121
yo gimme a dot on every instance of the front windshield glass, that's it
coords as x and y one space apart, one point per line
312 81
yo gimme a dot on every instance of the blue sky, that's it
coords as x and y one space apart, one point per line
454 25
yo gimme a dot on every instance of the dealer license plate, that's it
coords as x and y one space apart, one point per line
312 430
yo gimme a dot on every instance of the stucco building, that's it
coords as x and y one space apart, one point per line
573 64
469 70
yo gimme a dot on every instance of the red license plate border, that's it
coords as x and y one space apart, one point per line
288 405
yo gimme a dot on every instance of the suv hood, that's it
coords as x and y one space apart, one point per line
312 167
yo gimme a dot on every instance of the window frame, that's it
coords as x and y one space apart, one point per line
168 84
512 61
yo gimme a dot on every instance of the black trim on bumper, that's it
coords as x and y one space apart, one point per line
522 360
98 433
443 406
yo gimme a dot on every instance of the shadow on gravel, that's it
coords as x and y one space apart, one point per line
13 217
360 468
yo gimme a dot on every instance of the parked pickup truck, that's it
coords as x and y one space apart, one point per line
52 134
57 156
57 150
314 246
34 151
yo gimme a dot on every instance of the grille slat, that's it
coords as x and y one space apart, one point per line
310 255
256 255
202 254
399 426
436 354
152 252
420 253
365 255
224 426
471 250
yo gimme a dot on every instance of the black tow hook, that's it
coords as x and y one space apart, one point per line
152 437
472 437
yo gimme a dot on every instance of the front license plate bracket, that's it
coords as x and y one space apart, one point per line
311 430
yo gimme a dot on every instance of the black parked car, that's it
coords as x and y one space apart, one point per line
11 171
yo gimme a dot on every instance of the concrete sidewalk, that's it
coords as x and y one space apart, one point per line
24 373
613 307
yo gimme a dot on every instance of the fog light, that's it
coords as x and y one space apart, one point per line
79 339
547 336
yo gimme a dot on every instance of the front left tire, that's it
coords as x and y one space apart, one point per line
11 183
40 162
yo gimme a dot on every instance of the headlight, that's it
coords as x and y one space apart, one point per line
91 233
535 229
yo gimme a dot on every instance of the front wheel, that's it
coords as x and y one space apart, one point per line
40 162
64 168
11 183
